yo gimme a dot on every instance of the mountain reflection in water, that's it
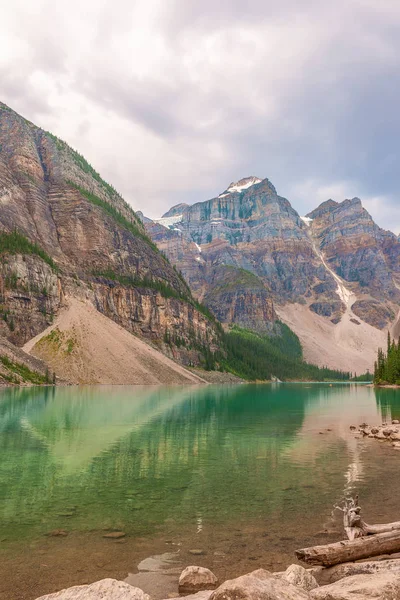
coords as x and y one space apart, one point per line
135 458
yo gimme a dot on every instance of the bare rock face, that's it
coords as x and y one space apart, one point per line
196 579
259 585
238 296
85 241
106 589
299 576
30 295
382 586
362 254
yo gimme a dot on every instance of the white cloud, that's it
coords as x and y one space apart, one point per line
171 101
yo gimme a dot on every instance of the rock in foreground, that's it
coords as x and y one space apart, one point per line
259 585
106 589
382 586
196 579
300 577
326 576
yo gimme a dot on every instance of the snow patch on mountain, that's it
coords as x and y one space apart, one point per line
168 222
307 220
240 186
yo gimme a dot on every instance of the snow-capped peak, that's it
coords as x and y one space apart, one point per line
240 186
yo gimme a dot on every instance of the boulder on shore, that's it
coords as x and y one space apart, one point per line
196 579
106 589
380 586
259 585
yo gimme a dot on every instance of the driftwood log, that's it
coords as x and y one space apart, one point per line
355 526
351 550
364 541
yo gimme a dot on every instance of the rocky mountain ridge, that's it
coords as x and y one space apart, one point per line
335 262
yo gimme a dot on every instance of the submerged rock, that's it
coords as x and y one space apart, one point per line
115 535
57 533
196 579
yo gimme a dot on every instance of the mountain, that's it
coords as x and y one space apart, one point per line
67 234
333 275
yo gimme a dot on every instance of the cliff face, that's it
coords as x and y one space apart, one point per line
76 236
237 296
362 255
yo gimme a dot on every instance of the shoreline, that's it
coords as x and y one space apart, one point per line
388 386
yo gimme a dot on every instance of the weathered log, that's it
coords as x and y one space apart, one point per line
384 528
355 526
351 550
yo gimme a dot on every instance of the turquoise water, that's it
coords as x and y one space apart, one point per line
155 461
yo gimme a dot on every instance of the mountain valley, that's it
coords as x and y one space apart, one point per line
70 245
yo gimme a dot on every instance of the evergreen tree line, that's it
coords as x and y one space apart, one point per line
260 357
387 365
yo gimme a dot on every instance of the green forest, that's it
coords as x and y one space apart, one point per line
387 365
253 356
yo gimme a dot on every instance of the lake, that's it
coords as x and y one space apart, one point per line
245 474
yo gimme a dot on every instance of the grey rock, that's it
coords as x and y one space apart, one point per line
259 585
300 577
380 586
106 589
325 576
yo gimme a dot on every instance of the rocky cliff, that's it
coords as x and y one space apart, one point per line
362 255
65 232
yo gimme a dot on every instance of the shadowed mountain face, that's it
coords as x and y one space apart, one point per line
77 237
333 261
363 255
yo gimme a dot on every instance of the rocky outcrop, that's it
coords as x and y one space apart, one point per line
30 295
381 585
106 589
362 255
238 296
326 576
18 367
196 579
299 576
82 239
376 313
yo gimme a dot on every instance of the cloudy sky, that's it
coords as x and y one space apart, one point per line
171 100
